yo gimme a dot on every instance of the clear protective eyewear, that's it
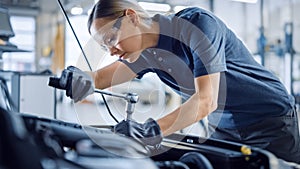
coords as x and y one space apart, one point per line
110 38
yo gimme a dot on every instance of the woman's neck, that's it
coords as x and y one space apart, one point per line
150 35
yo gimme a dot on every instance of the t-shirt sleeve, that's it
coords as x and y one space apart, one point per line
207 44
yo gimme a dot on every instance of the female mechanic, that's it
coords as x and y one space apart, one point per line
199 57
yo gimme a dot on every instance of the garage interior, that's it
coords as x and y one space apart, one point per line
43 43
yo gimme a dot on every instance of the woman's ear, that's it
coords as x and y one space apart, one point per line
133 16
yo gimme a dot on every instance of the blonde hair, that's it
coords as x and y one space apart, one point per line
115 8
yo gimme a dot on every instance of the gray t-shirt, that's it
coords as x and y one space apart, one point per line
194 43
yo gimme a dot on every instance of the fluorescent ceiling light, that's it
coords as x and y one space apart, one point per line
76 10
246 1
155 6
89 11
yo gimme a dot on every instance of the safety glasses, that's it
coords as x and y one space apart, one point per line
110 38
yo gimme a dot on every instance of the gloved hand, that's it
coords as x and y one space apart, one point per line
79 84
148 133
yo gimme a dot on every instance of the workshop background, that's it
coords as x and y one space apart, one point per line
46 45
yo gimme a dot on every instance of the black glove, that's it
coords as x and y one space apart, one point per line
148 133
77 83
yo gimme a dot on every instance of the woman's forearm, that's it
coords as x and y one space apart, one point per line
191 111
